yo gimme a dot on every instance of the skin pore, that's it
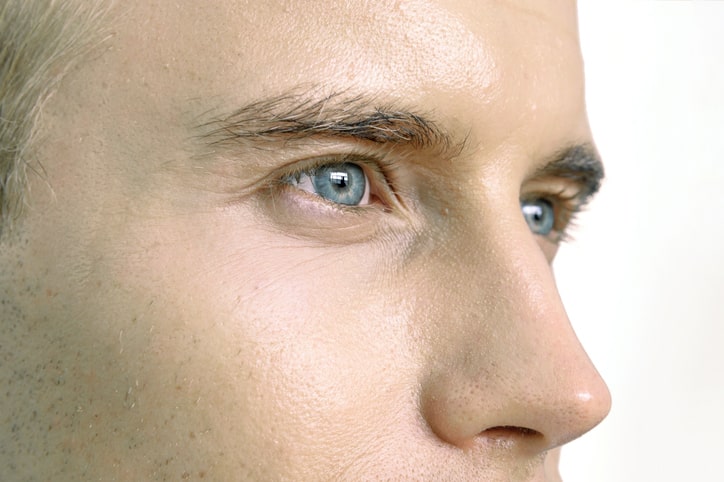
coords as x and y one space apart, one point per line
180 301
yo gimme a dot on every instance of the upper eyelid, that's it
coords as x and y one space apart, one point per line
309 165
557 187
309 162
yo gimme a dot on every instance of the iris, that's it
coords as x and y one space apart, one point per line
344 183
540 216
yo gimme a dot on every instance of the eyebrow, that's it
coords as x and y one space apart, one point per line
297 116
580 163
292 117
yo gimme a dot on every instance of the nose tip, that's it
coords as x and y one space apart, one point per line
504 366
533 409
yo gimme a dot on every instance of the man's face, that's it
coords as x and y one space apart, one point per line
299 240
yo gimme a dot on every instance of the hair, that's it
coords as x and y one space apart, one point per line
39 42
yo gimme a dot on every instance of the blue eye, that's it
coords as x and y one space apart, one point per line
343 183
540 216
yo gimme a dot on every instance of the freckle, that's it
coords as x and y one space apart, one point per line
192 435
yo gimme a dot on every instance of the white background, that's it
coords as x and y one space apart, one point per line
644 280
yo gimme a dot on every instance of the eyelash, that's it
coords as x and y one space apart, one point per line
377 169
566 208
380 172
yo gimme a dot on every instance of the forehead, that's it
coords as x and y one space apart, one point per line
497 73
431 52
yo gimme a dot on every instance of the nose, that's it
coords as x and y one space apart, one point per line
505 365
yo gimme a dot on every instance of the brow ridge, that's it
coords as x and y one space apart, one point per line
298 116
580 163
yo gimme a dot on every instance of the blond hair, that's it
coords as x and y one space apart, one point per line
39 41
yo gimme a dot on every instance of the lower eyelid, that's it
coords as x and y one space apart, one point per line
313 204
302 215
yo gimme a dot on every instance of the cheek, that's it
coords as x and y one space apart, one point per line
279 348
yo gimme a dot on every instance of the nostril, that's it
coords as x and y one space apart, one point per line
506 435
509 431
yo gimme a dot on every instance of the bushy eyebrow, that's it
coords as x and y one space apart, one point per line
298 116
580 163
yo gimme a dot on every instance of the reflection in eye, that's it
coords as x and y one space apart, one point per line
344 183
540 216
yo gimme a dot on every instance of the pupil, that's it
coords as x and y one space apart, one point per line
538 215
340 179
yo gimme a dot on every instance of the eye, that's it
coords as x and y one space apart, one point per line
540 216
340 183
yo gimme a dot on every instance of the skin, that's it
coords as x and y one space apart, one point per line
173 309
